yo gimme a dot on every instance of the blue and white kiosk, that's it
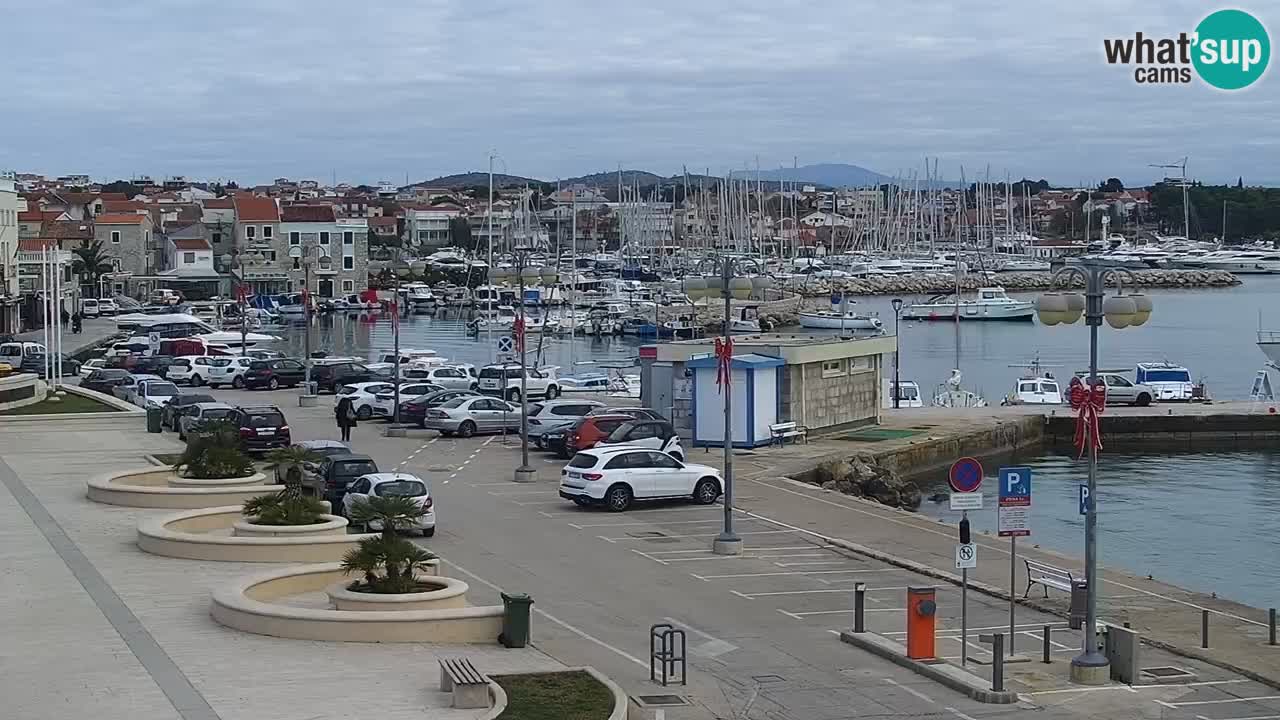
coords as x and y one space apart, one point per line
754 382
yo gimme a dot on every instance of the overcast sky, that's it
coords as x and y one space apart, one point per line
381 89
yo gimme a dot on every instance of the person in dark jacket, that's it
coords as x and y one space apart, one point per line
345 415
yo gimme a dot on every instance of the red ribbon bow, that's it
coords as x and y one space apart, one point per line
724 354
1089 402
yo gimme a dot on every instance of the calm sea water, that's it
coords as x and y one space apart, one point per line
1203 521
1212 332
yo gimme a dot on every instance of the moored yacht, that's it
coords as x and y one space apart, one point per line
991 303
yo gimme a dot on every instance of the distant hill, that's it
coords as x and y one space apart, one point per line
473 179
630 178
832 174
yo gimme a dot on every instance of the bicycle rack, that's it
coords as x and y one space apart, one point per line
663 652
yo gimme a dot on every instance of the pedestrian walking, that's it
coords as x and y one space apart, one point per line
345 415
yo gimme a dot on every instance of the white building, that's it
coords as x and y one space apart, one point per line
10 206
430 228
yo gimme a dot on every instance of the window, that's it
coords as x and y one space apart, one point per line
324 238
348 286
188 258
217 238
834 368
270 255
295 238
348 263
348 238
297 264
266 232
662 460
115 236
250 232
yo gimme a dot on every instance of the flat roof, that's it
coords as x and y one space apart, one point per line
793 348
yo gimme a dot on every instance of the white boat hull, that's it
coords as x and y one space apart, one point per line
971 311
1269 344
834 321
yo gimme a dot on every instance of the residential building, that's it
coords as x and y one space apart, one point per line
129 240
219 218
318 233
189 264
257 241
429 229
9 301
385 229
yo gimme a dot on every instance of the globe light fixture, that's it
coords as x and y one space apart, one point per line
1144 306
1120 311
1075 308
1051 307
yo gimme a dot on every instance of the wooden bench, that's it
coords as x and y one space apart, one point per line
469 686
781 431
1047 576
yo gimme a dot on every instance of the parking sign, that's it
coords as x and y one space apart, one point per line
1014 513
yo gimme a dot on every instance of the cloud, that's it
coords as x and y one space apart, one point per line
255 89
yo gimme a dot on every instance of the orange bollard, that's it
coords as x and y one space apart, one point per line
921 613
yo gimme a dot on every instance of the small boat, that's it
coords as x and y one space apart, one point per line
951 395
1024 266
1036 386
908 394
991 304
832 320
747 321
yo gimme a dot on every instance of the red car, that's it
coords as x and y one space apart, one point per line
585 433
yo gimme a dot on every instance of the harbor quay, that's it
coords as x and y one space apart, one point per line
763 629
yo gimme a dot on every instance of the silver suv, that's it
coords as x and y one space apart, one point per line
504 381
1123 391
553 415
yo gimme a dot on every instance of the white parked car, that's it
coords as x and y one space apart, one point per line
650 434
1121 390
154 393
363 396
190 369
392 485
227 371
471 414
504 381
447 377
384 403
107 306
129 388
92 364
89 307
615 476
201 413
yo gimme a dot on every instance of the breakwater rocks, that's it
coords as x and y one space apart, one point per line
862 476
935 283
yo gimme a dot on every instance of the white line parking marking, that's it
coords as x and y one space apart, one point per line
803 564
656 522
787 592
705 550
913 691
1125 687
993 627
643 554
778 574
1251 717
703 535
958 714
735 558
847 611
1220 702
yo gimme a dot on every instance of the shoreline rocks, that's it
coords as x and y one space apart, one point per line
862 476
935 283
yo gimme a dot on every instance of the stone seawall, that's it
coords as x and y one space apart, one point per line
933 283
1224 430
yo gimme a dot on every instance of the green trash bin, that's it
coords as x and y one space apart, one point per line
515 620
153 419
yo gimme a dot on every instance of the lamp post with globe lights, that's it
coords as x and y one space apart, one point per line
897 353
1119 311
309 255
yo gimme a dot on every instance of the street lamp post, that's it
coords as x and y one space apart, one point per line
1090 667
308 254
524 473
897 353
728 542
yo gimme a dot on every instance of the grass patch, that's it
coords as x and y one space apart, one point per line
555 696
70 403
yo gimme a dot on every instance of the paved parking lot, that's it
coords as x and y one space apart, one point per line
762 627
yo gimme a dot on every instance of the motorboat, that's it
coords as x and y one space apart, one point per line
991 303
1269 344
1024 266
1249 262
951 395
182 325
747 321
908 394
1035 386
832 320
354 303
1169 383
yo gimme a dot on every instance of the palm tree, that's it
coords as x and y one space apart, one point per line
284 508
292 460
91 261
388 562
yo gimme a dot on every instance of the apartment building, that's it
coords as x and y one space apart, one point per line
10 206
430 229
337 246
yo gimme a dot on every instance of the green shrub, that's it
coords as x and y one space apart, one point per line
389 563
213 451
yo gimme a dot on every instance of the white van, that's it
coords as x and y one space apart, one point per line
14 352
89 307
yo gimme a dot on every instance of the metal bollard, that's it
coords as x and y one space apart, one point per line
1271 626
1204 628
859 608
997 662
1048 647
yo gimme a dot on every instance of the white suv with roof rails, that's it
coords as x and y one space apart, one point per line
504 381
617 475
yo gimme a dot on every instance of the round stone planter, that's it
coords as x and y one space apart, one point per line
448 593
209 534
153 487
184 482
332 524
258 604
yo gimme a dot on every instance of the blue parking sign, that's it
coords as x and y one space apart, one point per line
1015 482
1086 500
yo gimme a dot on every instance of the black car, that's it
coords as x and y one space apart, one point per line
262 428
331 376
415 410
103 380
153 365
273 374
335 474
35 364
179 406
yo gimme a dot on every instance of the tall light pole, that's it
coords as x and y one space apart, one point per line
1090 667
308 254
728 542
897 353
237 263
524 473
